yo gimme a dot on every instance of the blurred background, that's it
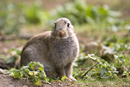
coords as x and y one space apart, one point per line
102 26
28 17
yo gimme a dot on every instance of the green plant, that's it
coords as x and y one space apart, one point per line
15 15
80 13
33 71
14 57
118 43
34 14
101 68
11 18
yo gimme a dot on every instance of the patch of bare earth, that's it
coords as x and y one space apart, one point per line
9 81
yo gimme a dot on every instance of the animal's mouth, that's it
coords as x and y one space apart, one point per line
61 35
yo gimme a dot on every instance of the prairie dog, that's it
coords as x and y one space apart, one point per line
56 50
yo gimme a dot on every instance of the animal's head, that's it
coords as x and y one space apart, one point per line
63 29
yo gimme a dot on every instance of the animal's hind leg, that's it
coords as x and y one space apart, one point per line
27 56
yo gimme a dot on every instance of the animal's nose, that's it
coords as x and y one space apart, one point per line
60 33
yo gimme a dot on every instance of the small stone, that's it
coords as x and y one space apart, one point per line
25 86
2 71
10 86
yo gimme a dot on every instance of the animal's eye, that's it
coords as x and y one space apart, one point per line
68 25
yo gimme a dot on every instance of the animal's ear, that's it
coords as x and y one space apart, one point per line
55 25
65 22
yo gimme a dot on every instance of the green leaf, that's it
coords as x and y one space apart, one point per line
10 60
63 78
103 72
38 82
41 68
31 65
33 73
129 69
17 74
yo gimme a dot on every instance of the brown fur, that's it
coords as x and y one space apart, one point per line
56 49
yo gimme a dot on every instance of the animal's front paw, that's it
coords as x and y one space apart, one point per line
71 79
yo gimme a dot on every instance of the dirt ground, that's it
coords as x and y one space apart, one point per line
9 81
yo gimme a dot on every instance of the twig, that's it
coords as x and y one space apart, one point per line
14 37
89 70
